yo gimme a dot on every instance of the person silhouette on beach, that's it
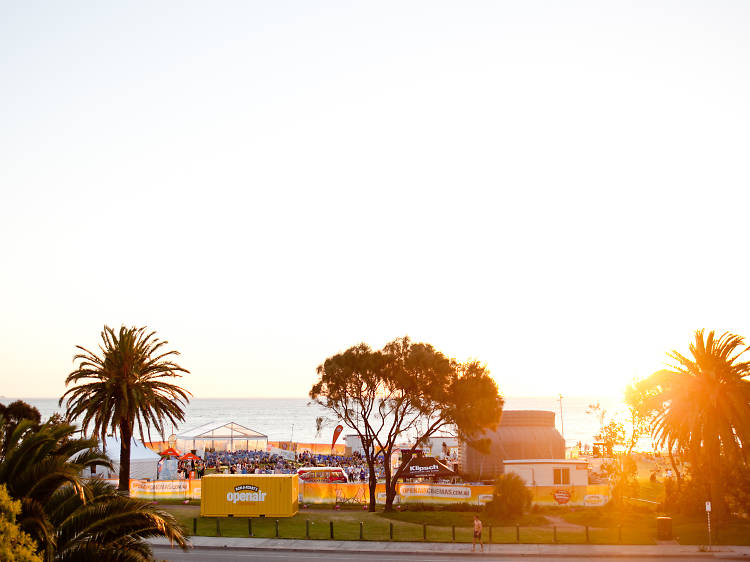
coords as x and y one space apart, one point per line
477 534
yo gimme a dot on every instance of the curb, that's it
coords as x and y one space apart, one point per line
725 555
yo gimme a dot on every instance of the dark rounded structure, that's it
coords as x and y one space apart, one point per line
522 434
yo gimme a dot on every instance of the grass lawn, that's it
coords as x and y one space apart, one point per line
641 524
436 526
635 525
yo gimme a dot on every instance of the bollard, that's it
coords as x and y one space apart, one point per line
518 533
490 534
195 526
361 530
249 526
218 527
391 530
307 528
453 529
554 533
277 528
587 533
331 525
424 531
619 533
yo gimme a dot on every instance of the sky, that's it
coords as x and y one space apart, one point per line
557 189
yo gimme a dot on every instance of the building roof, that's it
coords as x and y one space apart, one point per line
221 430
522 434
546 461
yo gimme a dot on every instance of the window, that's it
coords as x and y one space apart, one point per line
561 476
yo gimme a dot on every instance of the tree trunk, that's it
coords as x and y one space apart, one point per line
390 495
126 434
373 486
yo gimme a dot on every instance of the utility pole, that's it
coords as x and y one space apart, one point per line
562 425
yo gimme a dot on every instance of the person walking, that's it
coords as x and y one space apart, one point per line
477 534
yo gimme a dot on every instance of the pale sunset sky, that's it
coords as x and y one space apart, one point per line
559 189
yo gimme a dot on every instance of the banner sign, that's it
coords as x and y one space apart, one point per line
283 453
434 491
165 489
336 433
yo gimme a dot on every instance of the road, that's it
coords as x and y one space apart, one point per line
211 555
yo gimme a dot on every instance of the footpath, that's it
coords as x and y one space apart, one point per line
448 549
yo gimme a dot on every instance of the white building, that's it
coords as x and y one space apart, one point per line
550 472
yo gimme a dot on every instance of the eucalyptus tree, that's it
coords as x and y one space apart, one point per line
426 392
405 390
123 389
349 384
700 408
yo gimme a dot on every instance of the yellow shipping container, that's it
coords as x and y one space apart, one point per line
249 495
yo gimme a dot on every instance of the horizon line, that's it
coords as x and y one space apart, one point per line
505 396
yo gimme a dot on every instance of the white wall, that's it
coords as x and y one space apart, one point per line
542 473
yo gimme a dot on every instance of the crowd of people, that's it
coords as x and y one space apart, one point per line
262 462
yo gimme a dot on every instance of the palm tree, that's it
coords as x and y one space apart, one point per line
123 387
37 462
108 525
69 517
700 407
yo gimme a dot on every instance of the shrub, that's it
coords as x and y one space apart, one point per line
511 498
14 543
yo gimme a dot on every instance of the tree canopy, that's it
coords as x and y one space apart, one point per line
123 388
14 543
71 517
349 384
406 390
700 408
12 414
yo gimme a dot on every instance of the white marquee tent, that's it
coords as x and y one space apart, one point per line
143 461
222 436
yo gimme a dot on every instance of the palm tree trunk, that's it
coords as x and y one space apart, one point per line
126 434
676 471
719 506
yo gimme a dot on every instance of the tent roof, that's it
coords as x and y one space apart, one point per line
221 430
138 451
170 452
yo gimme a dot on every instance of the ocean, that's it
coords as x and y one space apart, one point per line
284 419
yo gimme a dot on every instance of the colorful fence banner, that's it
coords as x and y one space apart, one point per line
593 494
358 493
165 489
